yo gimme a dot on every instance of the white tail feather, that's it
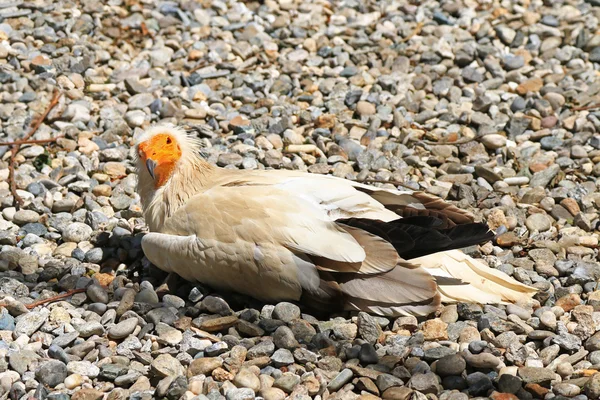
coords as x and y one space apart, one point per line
485 285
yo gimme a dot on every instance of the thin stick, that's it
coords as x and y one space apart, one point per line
585 108
461 141
36 141
15 149
54 298
413 33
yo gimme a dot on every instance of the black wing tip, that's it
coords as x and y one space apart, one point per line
419 236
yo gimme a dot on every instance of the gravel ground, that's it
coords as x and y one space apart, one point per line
487 104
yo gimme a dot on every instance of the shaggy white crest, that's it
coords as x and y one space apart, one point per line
186 180
187 143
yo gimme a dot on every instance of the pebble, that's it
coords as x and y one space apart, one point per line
51 373
123 328
538 222
77 232
287 312
340 380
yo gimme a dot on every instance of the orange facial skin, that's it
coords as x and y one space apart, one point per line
163 152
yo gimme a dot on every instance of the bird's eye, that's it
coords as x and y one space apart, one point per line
168 140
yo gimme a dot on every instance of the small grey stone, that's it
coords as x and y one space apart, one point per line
368 354
7 322
51 373
216 305
262 349
65 340
147 296
110 372
425 383
368 328
91 328
287 312
282 358
58 353
536 375
29 323
479 384
77 232
83 368
340 380
450 365
283 338
123 328
386 381
287 382
240 394
509 383
97 294
538 222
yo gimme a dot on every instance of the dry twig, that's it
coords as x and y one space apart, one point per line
17 145
413 33
54 298
460 141
35 141
585 108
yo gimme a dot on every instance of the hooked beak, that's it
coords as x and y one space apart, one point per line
151 165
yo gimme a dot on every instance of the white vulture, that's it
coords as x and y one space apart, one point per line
322 241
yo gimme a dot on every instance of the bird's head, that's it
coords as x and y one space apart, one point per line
160 150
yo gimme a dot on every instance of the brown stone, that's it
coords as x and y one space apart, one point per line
325 121
398 393
102 190
204 366
367 396
365 108
41 60
195 55
569 302
260 362
503 396
496 219
457 178
364 372
238 121
104 279
87 394
507 239
571 205
537 166
530 85
114 169
221 375
435 329
366 384
219 324
183 323
549 121
536 390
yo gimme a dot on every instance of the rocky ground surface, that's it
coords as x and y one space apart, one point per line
487 104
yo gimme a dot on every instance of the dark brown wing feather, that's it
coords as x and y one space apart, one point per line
414 237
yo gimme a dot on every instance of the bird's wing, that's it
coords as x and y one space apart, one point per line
414 203
346 199
270 244
337 197
249 231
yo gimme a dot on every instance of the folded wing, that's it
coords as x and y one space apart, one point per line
263 242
